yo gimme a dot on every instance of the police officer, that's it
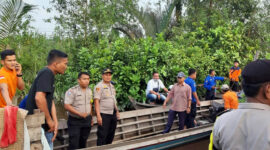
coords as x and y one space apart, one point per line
106 108
78 105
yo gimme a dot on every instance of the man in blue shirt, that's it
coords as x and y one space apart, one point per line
210 84
190 80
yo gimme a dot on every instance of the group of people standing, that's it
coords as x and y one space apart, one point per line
77 99
185 98
79 107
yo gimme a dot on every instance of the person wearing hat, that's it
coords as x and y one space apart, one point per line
234 74
78 104
230 97
106 108
181 95
248 126
210 84
153 87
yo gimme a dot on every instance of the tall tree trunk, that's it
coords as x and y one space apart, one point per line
178 12
209 14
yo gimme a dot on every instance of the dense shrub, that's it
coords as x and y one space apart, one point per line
134 61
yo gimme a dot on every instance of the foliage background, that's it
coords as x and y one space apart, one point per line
135 41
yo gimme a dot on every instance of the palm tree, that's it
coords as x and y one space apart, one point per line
150 22
11 15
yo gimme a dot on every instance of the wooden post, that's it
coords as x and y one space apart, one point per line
34 123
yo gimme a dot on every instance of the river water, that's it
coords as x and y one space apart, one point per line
201 144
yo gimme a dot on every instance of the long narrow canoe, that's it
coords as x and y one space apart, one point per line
136 124
138 105
161 141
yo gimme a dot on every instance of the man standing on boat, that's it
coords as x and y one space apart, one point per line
248 126
210 85
190 80
234 74
153 87
181 95
106 109
42 90
78 104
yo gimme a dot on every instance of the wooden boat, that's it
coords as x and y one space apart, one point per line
139 124
162 141
138 105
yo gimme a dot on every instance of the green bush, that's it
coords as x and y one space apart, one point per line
133 62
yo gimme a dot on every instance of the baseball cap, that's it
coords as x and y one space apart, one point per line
107 70
180 75
257 72
225 87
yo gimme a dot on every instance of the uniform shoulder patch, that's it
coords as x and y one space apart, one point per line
69 93
97 89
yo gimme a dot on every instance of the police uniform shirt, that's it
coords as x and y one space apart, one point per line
106 94
246 128
79 99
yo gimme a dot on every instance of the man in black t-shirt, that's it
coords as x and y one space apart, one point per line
41 92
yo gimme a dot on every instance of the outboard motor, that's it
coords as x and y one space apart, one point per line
215 110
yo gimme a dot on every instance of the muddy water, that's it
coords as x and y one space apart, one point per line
201 144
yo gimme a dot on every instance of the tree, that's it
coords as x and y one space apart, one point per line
152 21
11 14
90 19
98 18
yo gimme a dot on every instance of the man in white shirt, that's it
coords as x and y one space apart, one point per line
153 87
248 127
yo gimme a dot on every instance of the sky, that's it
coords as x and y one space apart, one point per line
40 14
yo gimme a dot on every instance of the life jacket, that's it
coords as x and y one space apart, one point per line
235 73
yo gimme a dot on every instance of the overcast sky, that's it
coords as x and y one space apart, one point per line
40 13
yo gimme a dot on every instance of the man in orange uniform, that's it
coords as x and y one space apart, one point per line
10 77
234 74
230 97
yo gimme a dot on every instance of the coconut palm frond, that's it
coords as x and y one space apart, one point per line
11 13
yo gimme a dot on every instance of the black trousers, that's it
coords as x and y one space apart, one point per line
78 131
171 117
105 133
235 86
191 116
210 94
